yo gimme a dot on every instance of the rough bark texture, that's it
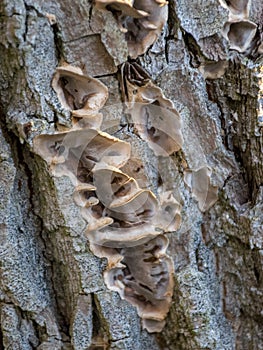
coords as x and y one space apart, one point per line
52 293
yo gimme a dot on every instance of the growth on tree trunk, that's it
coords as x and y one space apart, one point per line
131 174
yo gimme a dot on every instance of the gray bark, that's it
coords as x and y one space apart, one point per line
52 292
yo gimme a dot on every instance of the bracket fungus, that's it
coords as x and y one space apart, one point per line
154 116
135 168
114 186
144 277
141 21
136 220
199 182
125 223
121 236
78 92
120 9
239 30
94 215
237 8
169 216
131 210
240 34
68 152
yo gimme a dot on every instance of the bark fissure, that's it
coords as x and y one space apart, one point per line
1 338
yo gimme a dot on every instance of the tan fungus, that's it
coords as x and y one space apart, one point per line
78 92
240 34
199 183
154 116
144 277
125 223
142 21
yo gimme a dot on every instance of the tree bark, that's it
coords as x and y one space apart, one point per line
52 291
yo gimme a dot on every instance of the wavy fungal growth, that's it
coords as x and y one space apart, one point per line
141 21
154 116
199 183
144 277
240 32
125 223
237 8
121 8
75 153
84 96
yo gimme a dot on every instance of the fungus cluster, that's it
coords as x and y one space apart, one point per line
154 116
242 35
126 222
141 21
199 183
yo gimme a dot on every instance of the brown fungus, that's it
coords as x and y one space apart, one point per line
125 223
132 222
136 169
68 151
159 126
121 234
95 217
137 210
168 217
86 121
199 183
154 116
240 34
142 21
114 187
120 8
144 277
143 32
84 195
138 220
78 92
237 8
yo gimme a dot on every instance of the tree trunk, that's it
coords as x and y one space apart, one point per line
52 291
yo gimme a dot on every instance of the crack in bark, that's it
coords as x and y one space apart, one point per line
192 48
22 158
211 92
99 338
1 337
58 42
79 38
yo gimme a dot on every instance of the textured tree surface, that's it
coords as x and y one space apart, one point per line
52 291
